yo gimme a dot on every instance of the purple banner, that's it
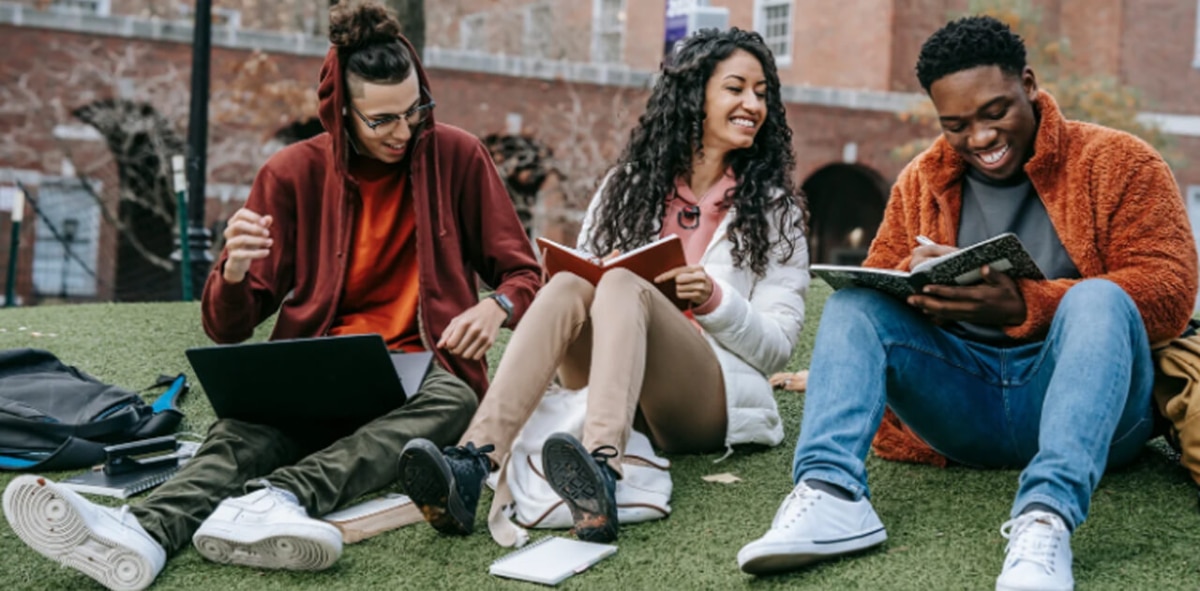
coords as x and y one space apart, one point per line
677 20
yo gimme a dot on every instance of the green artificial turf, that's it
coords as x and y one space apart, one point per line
1143 533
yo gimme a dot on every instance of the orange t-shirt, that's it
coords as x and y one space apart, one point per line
381 293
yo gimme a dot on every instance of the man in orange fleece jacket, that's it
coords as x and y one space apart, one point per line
1052 376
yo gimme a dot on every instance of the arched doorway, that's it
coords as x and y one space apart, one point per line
846 203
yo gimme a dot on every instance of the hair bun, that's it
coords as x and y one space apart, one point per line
351 27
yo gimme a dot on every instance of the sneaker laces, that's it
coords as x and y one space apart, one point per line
1032 537
470 452
604 453
795 505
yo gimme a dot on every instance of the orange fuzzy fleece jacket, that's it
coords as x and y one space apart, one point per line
1112 200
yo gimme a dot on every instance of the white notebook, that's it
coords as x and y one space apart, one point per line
551 560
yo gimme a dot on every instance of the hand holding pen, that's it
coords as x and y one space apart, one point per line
927 249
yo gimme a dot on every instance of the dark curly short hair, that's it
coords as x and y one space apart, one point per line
967 43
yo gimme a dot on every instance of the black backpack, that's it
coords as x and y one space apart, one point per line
55 417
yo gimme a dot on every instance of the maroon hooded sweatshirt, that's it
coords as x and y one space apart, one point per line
466 225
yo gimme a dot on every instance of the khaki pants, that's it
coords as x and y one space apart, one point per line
634 351
324 469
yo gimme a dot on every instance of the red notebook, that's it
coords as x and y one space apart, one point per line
647 262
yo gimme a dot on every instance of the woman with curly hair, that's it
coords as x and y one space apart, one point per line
710 161
379 226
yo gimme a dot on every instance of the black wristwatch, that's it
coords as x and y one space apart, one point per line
505 304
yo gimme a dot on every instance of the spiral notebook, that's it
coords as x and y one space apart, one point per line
551 560
122 486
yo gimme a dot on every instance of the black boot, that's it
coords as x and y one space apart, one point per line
445 484
586 482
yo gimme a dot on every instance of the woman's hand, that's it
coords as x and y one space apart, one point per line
692 283
796 382
247 238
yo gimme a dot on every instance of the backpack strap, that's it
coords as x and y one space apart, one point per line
178 386
73 453
165 414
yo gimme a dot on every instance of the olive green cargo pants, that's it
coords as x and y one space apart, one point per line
323 467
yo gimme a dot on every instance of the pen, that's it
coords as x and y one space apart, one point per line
925 241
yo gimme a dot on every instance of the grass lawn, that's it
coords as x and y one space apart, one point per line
1144 531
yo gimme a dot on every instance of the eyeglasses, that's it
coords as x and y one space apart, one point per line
386 124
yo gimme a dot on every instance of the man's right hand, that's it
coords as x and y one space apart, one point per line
247 238
925 252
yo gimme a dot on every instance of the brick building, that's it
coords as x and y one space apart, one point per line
573 75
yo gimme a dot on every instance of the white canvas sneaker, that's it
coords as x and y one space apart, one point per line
268 529
1039 554
812 525
108 545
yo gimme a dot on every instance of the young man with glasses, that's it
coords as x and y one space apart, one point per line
378 226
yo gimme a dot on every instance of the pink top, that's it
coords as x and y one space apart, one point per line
695 240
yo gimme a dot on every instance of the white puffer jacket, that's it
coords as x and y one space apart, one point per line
752 331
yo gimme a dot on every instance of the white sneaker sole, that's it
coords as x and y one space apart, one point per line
761 558
283 547
51 520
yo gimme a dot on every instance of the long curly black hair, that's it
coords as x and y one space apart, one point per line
668 135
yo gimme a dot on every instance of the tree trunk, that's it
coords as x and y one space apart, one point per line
412 21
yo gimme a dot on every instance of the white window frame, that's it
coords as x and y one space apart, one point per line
1196 40
600 30
472 32
760 25
93 7
226 17
535 41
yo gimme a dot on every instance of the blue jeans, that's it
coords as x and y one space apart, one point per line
1063 408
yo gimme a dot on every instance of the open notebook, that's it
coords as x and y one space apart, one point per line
647 262
551 560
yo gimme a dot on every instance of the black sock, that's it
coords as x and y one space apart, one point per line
831 488
1047 509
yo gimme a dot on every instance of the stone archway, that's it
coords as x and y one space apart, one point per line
846 203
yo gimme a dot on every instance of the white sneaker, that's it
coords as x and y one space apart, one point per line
108 545
812 525
268 529
1039 554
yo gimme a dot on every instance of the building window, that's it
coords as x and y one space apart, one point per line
773 19
608 30
96 7
472 35
1196 42
220 17
226 17
539 27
